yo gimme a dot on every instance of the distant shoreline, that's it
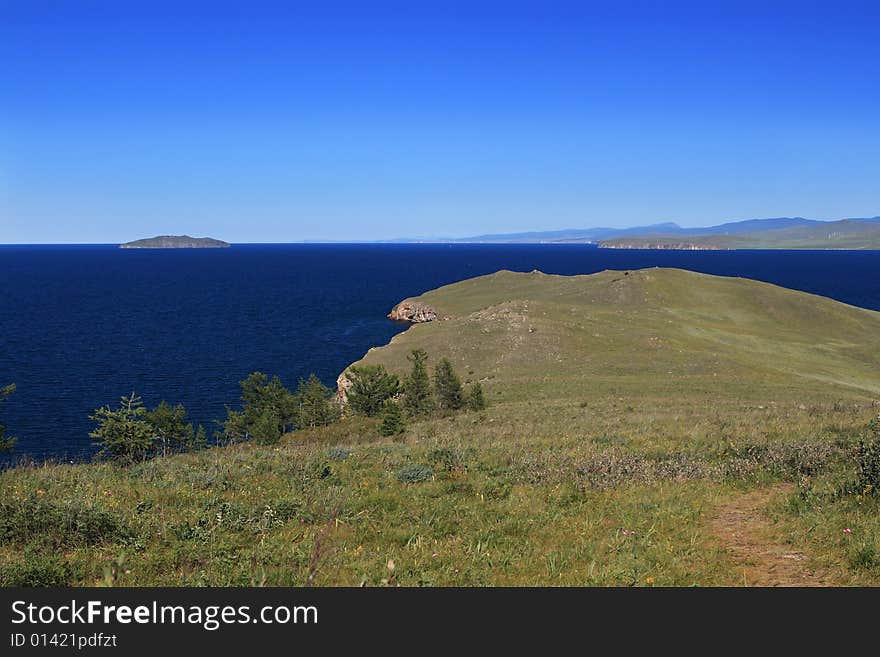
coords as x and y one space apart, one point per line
589 245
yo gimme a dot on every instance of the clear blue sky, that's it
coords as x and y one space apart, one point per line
268 122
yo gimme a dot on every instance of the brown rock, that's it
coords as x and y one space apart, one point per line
343 384
411 311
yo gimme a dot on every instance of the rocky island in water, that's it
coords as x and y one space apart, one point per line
176 242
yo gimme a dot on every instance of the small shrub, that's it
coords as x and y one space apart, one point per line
318 469
288 508
338 453
459 488
449 459
475 399
497 490
865 557
868 456
413 473
60 525
37 570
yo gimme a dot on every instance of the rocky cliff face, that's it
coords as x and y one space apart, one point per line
411 311
343 384
405 311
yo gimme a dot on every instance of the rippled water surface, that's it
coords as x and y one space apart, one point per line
82 325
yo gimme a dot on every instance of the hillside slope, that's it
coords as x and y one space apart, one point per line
650 332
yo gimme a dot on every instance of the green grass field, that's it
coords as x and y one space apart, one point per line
630 413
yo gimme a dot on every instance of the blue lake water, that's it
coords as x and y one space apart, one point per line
82 325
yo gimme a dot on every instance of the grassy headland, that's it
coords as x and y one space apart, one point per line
627 410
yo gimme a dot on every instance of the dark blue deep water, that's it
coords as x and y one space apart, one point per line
82 325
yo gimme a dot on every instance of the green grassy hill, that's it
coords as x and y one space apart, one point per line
652 332
650 427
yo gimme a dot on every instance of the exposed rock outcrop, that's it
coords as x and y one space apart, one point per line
412 311
343 384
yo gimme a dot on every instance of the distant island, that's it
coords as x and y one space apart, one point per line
176 242
777 233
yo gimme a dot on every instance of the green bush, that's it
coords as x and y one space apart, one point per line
450 459
413 473
59 525
865 556
475 399
37 570
868 456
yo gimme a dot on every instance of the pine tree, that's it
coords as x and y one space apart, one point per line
264 402
475 399
417 396
393 421
124 434
448 386
314 405
172 430
262 397
371 387
6 443
200 440
265 428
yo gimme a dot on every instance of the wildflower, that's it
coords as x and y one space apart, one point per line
625 532
649 580
456 570
435 555
847 531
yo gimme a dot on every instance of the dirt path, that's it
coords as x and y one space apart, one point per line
763 558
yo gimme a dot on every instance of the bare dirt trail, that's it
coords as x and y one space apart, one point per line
743 528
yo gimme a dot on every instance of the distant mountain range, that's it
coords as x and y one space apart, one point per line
776 233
